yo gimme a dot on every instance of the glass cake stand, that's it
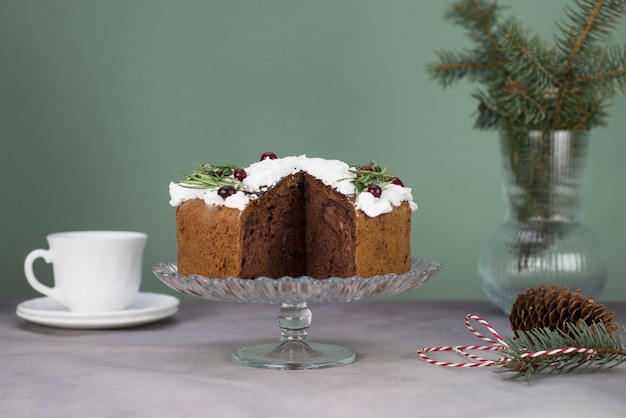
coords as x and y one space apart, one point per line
294 351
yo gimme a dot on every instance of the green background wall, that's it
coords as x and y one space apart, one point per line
103 102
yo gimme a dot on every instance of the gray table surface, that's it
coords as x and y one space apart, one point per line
181 367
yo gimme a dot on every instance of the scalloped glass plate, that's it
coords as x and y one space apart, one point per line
295 290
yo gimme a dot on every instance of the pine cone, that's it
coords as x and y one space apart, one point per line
553 308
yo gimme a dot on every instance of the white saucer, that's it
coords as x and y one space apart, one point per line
147 307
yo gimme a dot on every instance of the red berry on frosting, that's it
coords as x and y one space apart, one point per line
226 191
375 190
269 155
396 181
364 168
240 174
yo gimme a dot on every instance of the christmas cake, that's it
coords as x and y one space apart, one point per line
292 216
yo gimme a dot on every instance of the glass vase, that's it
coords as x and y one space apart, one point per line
542 240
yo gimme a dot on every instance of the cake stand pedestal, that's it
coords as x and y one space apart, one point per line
293 350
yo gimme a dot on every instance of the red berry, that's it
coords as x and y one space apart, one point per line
364 168
269 155
375 190
226 191
396 181
240 174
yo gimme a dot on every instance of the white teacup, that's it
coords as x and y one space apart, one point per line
94 271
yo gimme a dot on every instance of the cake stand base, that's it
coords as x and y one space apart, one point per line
294 355
294 351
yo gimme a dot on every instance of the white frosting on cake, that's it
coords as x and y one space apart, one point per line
265 174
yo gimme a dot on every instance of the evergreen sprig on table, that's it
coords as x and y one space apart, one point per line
530 83
608 351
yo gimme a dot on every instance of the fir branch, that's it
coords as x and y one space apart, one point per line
485 22
608 70
477 16
487 115
522 106
585 29
454 67
528 83
592 347
591 24
479 65
614 73
531 56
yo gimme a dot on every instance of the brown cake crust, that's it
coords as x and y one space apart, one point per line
383 243
209 239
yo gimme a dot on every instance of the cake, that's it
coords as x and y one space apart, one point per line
293 216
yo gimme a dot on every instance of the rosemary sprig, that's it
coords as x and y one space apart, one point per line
209 176
610 351
368 174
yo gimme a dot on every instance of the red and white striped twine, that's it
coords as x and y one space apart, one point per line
497 344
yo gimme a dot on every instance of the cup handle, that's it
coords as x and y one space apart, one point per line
30 276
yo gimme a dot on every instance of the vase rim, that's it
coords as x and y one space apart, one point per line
553 130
